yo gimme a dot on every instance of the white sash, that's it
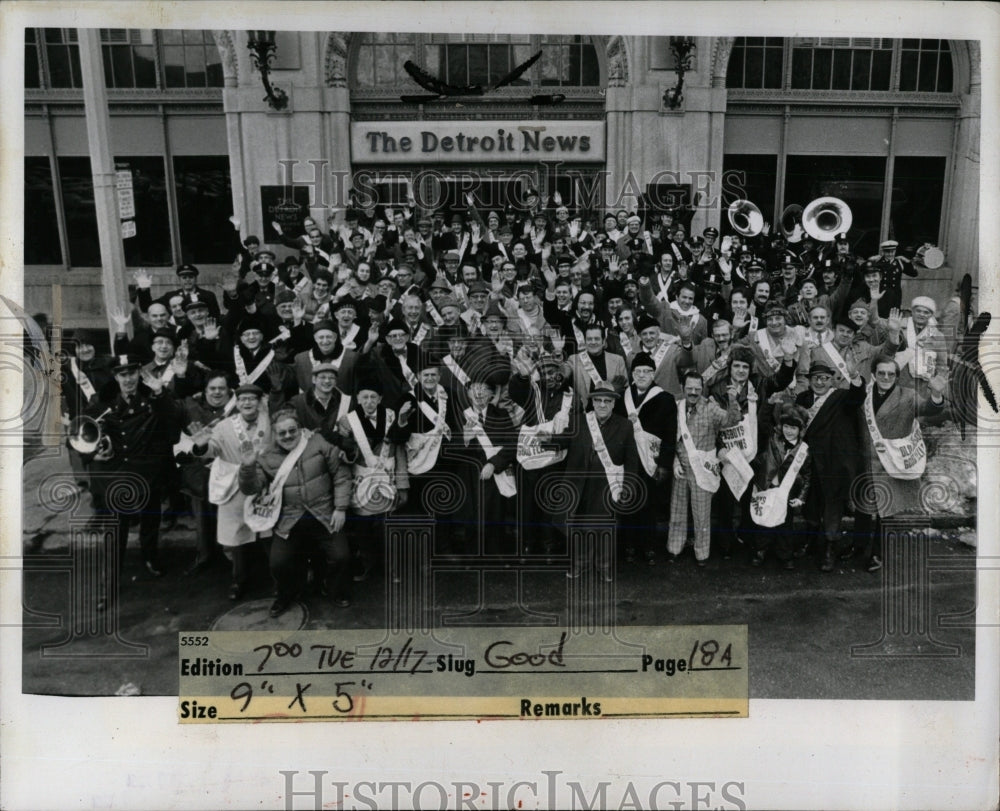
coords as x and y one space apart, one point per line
647 443
348 341
589 368
767 348
903 459
692 314
421 334
660 354
615 473
626 343
473 318
769 508
813 410
837 358
168 374
241 368
921 363
741 441
526 321
753 323
457 371
374 490
506 483
580 338
530 453
705 464
81 379
432 311
422 449
261 511
411 379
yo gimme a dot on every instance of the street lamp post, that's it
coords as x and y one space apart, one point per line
262 49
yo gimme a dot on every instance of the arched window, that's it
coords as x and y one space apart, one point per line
474 59
840 63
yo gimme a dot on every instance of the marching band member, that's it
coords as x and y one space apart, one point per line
653 414
781 484
314 486
249 427
696 466
893 269
893 449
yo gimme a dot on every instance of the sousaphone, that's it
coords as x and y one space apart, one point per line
745 218
826 217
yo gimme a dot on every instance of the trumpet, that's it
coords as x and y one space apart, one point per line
746 218
825 217
86 435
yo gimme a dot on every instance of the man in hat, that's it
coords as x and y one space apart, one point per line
190 291
127 467
594 365
782 451
394 362
925 353
322 405
776 342
632 241
540 385
832 433
653 414
290 332
253 360
601 457
246 430
696 466
893 269
454 369
479 299
86 381
349 331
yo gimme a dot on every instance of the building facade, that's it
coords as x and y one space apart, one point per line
891 126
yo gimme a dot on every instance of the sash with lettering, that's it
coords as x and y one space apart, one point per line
580 338
660 353
705 464
459 373
420 334
506 483
223 481
259 369
741 442
904 458
374 490
81 379
626 343
530 453
432 311
261 511
767 348
647 443
836 358
411 379
769 508
921 362
589 368
615 473
422 449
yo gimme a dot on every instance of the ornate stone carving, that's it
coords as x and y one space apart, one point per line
337 44
617 63
227 50
720 60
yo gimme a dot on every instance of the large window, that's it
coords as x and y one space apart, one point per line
840 63
41 231
475 59
77 185
133 58
917 192
204 206
151 244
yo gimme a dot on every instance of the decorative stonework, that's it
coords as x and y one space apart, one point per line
335 62
227 50
617 63
720 60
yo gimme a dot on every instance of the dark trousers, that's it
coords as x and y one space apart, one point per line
730 518
205 525
309 537
640 528
781 539
868 535
538 526
123 500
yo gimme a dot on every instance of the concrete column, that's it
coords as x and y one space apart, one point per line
102 166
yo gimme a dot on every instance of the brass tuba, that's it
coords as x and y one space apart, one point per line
746 219
825 217
86 435
791 222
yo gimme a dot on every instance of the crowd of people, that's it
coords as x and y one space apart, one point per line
513 374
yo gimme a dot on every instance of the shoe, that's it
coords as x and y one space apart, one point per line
279 607
671 557
827 565
847 554
235 592
802 551
151 568
789 565
757 559
361 575
874 564
344 602
197 567
701 564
